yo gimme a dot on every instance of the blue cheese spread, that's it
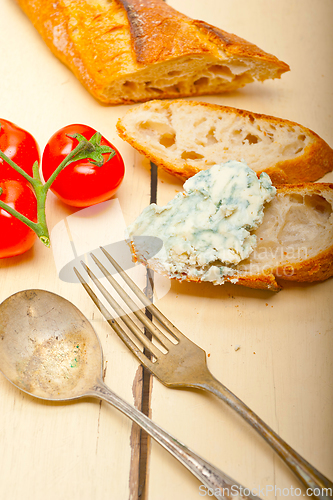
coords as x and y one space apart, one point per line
207 229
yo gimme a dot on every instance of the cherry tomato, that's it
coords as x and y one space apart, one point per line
20 147
81 184
15 236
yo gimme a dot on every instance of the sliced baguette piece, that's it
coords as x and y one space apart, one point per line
126 51
294 241
184 137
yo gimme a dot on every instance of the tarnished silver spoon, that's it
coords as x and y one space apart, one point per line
49 350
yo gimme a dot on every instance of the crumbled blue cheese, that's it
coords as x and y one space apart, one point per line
206 230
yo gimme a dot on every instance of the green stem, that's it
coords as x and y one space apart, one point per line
35 172
40 189
43 233
16 167
35 226
80 147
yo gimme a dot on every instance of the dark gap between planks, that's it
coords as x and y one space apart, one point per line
146 376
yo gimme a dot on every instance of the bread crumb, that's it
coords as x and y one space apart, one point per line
254 352
237 347
208 355
266 304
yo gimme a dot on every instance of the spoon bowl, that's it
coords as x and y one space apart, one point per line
47 346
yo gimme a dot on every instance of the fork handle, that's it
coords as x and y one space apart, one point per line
215 481
309 476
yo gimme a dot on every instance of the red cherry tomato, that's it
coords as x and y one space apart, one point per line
15 236
81 184
20 147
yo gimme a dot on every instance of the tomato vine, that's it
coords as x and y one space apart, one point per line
86 149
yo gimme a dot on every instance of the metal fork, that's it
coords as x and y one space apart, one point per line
183 364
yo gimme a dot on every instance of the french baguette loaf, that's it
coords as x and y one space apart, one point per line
184 137
294 242
126 51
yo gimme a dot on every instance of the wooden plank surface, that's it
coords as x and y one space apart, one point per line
283 369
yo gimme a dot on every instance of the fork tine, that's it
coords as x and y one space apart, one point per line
127 279
133 306
107 315
115 325
151 307
109 318
121 292
124 317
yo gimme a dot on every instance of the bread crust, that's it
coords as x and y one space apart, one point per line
258 282
314 163
175 35
104 41
236 45
158 41
308 270
320 267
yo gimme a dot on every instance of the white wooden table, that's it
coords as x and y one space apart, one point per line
283 369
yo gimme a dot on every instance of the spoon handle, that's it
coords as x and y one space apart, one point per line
215 481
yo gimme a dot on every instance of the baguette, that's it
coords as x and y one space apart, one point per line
126 51
294 238
184 137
